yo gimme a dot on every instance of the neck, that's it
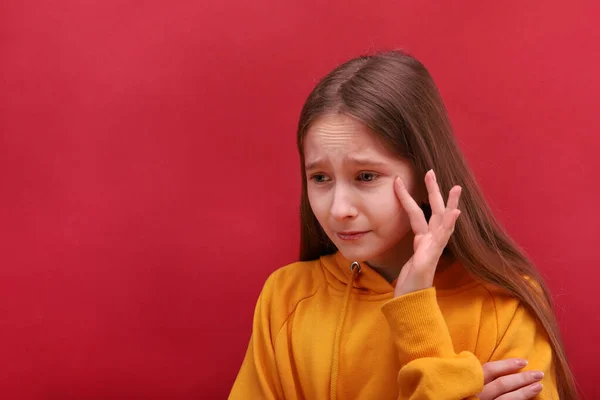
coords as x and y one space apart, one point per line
390 264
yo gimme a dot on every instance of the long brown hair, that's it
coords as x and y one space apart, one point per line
396 98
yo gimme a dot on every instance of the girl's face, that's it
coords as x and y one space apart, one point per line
350 182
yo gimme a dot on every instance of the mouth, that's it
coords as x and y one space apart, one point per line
354 235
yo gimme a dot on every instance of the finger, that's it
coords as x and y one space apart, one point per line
496 369
441 235
415 213
449 222
527 392
436 201
453 198
510 384
418 240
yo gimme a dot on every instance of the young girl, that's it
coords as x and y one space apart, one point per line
396 297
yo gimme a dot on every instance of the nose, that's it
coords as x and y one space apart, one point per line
343 206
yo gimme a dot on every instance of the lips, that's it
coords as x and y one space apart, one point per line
351 235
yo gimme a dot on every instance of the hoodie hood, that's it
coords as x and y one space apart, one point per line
449 275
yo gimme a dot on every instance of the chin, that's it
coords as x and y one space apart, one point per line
356 253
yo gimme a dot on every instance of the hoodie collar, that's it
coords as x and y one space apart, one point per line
337 268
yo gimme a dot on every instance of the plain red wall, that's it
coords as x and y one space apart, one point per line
149 179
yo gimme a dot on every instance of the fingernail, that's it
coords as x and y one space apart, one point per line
522 363
537 388
432 175
537 375
399 182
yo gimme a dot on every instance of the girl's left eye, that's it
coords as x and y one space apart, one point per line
367 176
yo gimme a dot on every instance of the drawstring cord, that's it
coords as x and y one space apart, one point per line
335 360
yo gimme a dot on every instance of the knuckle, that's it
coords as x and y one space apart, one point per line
502 384
486 369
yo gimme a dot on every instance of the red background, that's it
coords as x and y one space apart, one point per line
149 179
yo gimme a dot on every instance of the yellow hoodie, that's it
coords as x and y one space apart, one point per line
322 331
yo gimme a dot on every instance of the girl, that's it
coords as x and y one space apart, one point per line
395 296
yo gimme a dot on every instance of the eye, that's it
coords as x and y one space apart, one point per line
319 178
367 176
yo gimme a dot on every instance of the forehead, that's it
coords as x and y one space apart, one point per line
339 135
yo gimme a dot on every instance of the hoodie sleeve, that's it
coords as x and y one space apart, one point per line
258 377
431 369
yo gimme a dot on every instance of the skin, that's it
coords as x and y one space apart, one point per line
367 201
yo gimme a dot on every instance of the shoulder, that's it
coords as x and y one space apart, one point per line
497 303
456 286
516 325
297 279
496 308
501 320
287 286
503 302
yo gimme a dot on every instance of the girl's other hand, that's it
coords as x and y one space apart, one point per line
503 382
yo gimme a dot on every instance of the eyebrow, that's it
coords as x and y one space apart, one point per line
360 161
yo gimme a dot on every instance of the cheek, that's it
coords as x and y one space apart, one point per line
382 202
386 211
317 204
